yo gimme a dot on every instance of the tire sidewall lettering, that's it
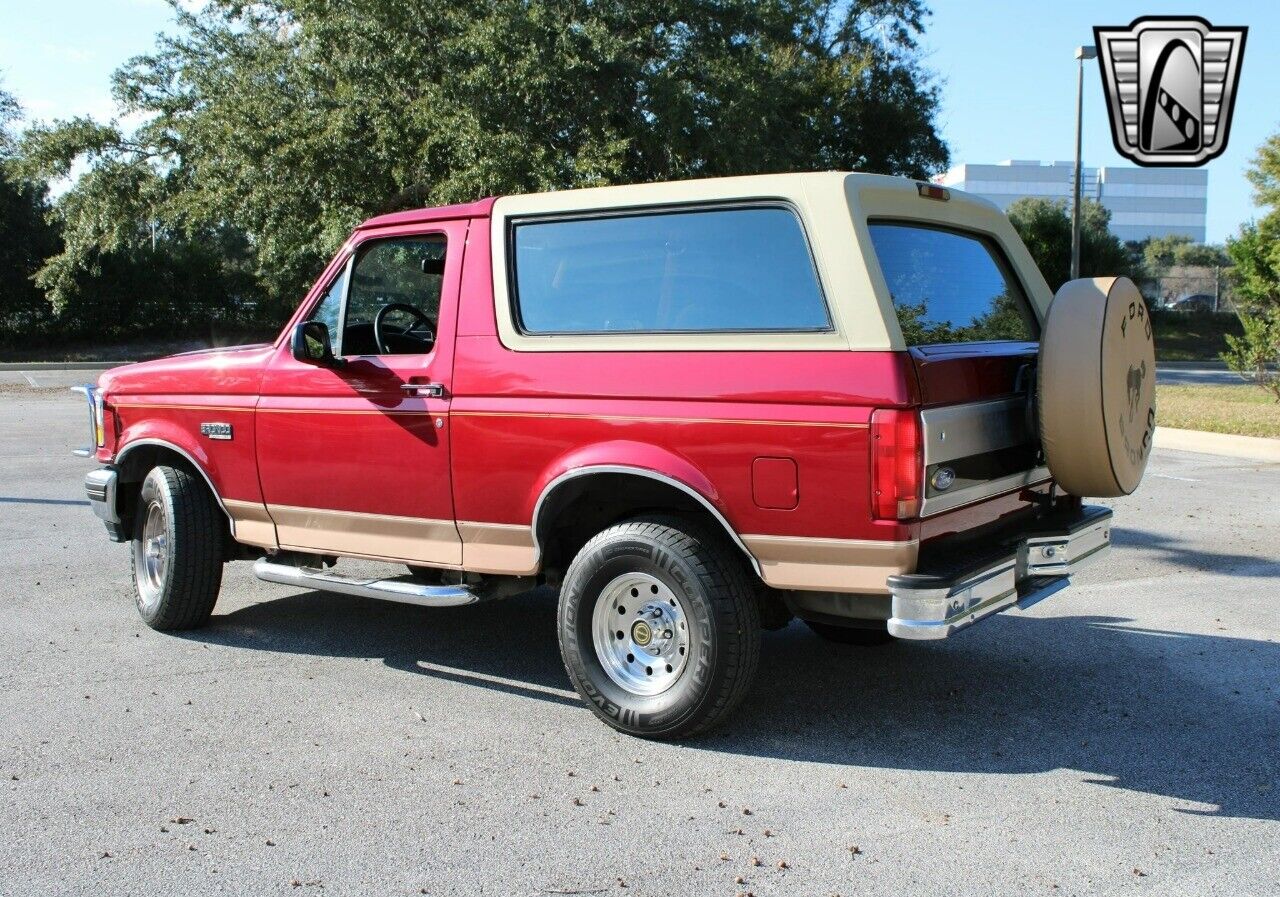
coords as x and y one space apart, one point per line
657 712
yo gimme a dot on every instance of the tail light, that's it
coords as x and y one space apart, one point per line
896 464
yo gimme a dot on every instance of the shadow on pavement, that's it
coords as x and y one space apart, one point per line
1191 717
1178 552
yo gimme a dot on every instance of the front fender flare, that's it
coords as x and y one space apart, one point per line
159 434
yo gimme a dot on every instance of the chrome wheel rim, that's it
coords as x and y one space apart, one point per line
151 554
640 628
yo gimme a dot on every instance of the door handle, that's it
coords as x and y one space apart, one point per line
424 390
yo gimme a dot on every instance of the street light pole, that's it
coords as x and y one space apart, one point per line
1082 53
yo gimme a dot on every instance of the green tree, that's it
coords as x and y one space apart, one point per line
1256 256
26 238
1045 227
1159 254
288 121
1201 255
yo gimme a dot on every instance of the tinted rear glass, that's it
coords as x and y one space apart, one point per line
726 270
950 287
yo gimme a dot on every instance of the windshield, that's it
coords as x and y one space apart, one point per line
950 287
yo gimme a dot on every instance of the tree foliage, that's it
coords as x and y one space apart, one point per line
1045 227
1256 256
26 238
270 128
1159 254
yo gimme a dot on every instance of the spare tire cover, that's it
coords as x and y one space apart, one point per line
1097 389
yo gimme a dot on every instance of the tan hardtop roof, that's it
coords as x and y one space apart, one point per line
753 186
757 186
834 208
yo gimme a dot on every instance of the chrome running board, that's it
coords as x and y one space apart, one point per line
406 592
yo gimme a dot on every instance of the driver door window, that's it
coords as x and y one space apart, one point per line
392 302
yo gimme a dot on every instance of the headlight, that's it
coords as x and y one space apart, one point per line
97 418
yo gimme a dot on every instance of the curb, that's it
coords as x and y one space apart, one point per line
36 367
1204 364
1254 448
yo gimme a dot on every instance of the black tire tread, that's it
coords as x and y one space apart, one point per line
726 579
195 563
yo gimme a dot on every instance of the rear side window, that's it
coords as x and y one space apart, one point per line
950 287
698 271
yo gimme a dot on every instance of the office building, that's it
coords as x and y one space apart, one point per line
1143 202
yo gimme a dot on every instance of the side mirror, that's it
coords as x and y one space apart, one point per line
310 344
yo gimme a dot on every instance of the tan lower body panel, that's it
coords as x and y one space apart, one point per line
250 522
476 547
498 548
786 562
831 565
411 540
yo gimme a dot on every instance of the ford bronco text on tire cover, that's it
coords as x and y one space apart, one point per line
696 409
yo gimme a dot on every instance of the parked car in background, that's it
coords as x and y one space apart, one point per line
696 409
1200 302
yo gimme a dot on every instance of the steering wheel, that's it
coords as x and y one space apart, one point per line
380 338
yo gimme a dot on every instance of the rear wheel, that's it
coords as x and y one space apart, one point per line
851 635
177 550
659 628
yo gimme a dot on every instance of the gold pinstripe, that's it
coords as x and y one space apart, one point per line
550 415
278 410
663 420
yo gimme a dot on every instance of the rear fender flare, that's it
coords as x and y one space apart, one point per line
632 459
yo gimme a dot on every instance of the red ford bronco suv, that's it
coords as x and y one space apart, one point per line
696 409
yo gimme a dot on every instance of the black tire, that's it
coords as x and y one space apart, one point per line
710 581
866 637
178 592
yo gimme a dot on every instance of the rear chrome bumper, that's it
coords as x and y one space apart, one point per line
100 488
1030 568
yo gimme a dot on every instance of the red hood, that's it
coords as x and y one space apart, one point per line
234 370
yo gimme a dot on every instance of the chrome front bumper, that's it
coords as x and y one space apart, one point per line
100 487
1029 568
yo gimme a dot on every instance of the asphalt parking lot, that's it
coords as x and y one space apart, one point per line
1122 737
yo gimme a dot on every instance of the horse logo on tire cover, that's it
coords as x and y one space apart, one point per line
1137 373
1171 87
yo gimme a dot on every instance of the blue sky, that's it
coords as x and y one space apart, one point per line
1006 68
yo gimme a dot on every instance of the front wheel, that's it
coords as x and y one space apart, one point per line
177 550
659 628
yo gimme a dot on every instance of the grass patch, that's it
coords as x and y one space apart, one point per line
1240 410
1190 336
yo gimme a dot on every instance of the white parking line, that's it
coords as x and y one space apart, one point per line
1167 476
28 379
